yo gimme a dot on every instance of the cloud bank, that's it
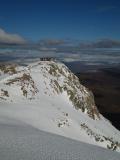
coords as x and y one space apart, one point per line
51 42
103 43
7 38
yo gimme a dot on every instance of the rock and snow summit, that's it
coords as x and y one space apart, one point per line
49 97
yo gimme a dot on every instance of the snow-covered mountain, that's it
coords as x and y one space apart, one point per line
49 97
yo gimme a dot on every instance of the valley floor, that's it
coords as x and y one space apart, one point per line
105 85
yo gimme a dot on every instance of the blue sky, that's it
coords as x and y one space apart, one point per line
61 19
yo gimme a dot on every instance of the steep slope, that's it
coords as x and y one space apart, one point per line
49 97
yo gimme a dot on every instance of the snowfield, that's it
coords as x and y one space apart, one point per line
19 141
46 96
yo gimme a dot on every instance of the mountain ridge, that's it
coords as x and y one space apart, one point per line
51 93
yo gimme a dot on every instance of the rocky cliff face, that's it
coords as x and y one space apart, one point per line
53 83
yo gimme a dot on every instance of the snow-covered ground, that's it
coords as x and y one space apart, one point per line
35 96
19 141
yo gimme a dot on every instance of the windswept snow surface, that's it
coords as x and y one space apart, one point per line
45 108
19 141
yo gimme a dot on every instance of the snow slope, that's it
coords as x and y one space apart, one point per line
47 96
19 141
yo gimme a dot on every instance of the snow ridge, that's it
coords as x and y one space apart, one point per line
48 96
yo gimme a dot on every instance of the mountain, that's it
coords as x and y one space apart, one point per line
49 97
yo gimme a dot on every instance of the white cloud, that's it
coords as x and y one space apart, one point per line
71 57
7 38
